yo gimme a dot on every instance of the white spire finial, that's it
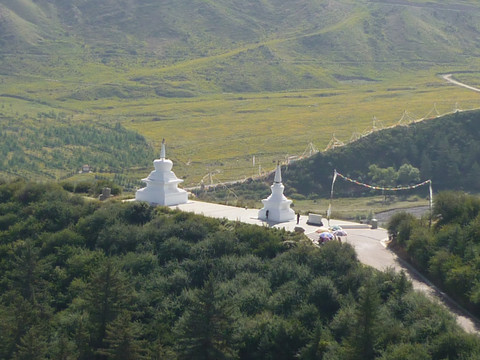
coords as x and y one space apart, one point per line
278 174
162 152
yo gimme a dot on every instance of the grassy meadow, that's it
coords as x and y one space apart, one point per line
237 82
360 208
220 133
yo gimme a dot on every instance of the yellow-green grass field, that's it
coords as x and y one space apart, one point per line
358 208
220 133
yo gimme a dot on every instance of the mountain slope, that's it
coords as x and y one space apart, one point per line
268 45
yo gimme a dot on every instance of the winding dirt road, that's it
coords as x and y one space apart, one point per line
448 77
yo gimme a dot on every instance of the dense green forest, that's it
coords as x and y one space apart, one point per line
51 145
82 279
448 252
445 150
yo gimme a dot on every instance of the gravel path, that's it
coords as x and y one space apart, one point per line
448 77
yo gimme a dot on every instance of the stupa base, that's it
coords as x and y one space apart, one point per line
159 198
276 215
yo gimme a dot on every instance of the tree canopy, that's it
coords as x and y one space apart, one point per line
448 251
444 150
82 279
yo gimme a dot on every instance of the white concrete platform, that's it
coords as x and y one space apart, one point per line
250 216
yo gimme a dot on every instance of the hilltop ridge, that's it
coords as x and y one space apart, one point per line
239 46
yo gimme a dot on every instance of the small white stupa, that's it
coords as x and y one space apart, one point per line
162 184
276 207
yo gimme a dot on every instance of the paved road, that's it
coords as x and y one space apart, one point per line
370 245
371 249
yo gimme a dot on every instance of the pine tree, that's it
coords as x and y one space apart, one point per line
107 296
15 321
205 330
27 270
81 337
122 339
33 345
361 344
63 348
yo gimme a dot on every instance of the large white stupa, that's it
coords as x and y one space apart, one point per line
276 207
162 184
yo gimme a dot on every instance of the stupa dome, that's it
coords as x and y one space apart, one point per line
162 184
277 207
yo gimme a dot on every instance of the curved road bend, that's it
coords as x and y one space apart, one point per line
448 77
368 243
371 250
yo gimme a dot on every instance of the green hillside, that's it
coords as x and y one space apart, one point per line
445 150
51 146
238 46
